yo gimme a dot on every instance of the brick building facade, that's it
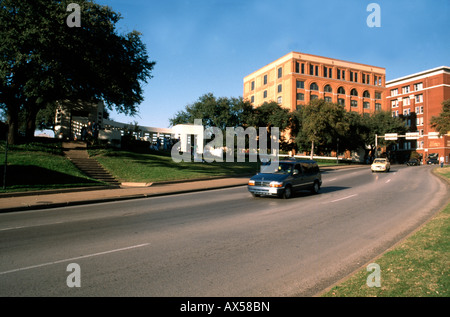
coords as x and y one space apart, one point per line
296 78
417 98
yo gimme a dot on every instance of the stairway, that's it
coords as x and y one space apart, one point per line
77 153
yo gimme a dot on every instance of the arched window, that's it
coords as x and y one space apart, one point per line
354 92
314 86
341 90
366 94
328 88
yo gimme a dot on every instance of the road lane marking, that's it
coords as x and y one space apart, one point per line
388 181
344 198
333 179
74 259
32 226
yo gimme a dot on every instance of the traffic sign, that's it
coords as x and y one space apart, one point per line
412 135
391 136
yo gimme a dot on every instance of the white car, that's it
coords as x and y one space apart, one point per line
380 165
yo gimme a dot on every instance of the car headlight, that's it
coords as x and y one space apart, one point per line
276 184
251 183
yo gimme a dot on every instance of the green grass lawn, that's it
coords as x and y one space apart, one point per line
418 267
39 166
138 167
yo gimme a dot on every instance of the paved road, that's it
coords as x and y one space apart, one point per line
216 243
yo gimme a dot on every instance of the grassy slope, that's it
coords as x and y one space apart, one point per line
38 166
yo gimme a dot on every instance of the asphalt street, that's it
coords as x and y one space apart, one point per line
216 243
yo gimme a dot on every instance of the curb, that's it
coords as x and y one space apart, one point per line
111 199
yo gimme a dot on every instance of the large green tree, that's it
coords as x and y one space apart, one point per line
442 122
322 123
44 59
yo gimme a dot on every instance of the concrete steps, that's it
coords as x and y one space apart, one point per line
77 153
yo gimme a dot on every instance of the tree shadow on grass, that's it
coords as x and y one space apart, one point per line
35 177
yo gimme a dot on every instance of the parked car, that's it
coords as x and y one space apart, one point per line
380 165
432 161
413 162
289 177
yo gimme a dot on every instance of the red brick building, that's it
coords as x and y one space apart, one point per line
417 98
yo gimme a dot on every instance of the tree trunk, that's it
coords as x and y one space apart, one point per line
30 124
312 150
13 124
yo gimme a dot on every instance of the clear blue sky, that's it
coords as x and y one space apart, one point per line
203 46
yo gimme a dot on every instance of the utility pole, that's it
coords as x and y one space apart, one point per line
6 161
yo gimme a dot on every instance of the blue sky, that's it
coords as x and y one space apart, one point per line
209 46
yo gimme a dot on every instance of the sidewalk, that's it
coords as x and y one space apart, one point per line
60 198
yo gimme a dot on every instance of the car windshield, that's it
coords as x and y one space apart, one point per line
380 161
284 168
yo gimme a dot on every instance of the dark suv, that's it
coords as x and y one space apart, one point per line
290 176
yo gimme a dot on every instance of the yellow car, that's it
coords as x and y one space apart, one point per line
380 165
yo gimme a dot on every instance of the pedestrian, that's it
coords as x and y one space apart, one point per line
441 159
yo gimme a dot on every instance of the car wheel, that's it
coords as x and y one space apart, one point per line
316 187
287 192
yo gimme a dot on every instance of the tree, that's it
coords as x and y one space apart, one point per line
43 60
442 122
379 124
215 112
322 123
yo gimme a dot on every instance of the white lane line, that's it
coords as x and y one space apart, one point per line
74 259
344 198
31 226
388 181
333 179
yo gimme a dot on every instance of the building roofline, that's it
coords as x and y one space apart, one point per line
292 53
422 73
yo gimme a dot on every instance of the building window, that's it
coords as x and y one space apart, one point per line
311 69
297 67
338 74
314 97
303 68
377 95
354 103
328 88
314 86
280 100
366 105
418 86
354 92
280 88
394 103
406 101
378 106
253 86
405 90
394 92
252 99
366 94
325 71
368 79
341 101
341 90
280 72
265 79
300 84
265 94
351 76
419 98
317 70
300 96
328 99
